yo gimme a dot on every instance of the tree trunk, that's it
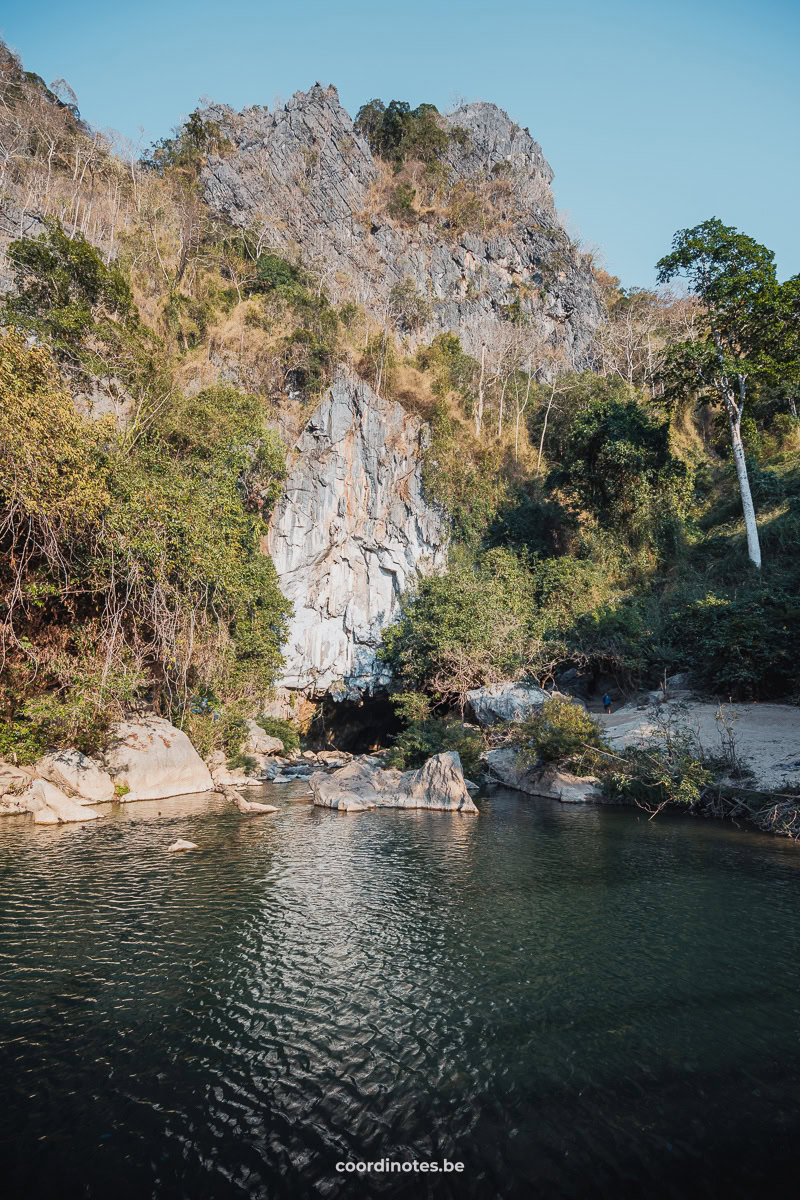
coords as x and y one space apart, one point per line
753 544
479 406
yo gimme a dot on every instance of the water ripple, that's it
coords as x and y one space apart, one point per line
573 1003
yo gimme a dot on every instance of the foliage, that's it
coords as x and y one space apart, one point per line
401 203
463 629
188 147
560 732
741 645
669 767
82 307
409 307
285 730
426 734
397 132
620 466
152 538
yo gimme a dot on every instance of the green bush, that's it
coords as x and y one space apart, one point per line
742 645
560 732
285 730
669 768
425 735
401 203
397 132
463 629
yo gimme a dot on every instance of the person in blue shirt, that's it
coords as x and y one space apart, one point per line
607 702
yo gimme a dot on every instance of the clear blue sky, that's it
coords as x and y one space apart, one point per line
654 116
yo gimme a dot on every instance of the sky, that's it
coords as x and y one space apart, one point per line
654 116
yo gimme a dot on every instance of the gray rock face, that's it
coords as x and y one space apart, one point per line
78 775
505 766
303 177
439 784
50 806
351 531
505 702
155 760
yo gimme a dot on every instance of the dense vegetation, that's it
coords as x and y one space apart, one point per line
596 518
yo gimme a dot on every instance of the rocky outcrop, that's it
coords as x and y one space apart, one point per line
154 760
362 785
50 806
259 743
351 532
304 178
78 775
507 767
505 702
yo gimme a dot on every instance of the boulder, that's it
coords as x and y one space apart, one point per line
259 743
223 775
244 806
155 760
50 806
506 702
506 766
77 774
439 784
182 844
13 780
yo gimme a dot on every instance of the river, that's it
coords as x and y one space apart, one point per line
570 1001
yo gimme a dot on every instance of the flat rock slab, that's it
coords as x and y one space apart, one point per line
439 785
500 702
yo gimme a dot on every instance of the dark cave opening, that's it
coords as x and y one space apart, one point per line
357 726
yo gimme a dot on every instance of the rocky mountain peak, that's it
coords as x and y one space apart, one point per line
488 244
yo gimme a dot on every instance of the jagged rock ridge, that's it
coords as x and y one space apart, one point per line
304 177
351 531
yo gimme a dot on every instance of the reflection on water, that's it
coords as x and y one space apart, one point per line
573 1002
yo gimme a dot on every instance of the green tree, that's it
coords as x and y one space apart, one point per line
620 467
734 278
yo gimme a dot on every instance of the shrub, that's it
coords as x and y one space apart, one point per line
560 732
462 629
401 203
668 768
409 307
285 730
425 735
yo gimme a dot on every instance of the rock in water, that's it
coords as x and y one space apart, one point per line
50 806
155 760
351 531
506 766
439 784
506 702
77 773
182 844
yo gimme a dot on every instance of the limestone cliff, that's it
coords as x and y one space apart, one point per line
306 180
350 533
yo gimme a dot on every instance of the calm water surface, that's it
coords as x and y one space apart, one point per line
574 1002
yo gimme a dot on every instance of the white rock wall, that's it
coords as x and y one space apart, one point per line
351 532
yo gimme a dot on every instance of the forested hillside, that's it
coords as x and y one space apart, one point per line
591 445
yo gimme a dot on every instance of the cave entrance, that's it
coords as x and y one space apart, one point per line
357 726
